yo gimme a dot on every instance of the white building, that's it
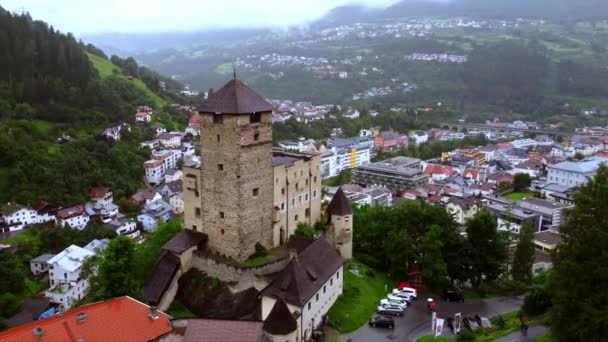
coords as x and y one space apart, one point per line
177 202
156 168
524 143
17 216
143 117
39 264
76 217
124 227
101 197
67 286
419 138
314 279
172 175
336 160
169 139
573 173
300 145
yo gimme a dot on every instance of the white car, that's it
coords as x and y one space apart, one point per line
398 303
396 298
406 290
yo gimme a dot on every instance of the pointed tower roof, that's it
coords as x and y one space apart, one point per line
339 205
280 321
235 98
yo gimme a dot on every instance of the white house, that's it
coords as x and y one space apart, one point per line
177 202
17 216
67 286
159 129
172 175
151 144
39 264
101 196
314 278
76 217
419 138
124 227
154 170
143 117
574 173
169 139
154 212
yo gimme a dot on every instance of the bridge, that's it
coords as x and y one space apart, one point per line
488 128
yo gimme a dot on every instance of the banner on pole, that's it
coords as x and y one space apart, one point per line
439 327
457 322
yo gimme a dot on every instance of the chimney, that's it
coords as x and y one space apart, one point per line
153 313
81 317
37 331
293 253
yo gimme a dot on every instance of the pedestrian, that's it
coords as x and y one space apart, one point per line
526 329
521 327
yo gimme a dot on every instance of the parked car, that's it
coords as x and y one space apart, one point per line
452 296
393 303
398 298
407 290
380 321
406 284
393 311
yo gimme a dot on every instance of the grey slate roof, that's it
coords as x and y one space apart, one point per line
235 98
43 258
161 278
280 321
339 205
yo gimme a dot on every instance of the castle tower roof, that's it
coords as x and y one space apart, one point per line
235 98
339 205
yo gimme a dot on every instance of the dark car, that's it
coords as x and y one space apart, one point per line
384 322
452 296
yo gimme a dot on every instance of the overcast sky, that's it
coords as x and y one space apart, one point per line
94 16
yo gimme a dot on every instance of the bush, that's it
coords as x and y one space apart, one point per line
537 301
465 335
370 273
260 251
9 304
499 322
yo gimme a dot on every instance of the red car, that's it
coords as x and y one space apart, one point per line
406 284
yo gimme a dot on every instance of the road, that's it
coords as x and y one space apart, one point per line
416 321
533 331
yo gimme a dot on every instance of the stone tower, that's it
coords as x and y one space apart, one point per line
340 219
236 175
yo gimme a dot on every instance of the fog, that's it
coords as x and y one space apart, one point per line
138 16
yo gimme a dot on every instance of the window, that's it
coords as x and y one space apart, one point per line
220 167
315 179
256 192
307 182
338 275
301 172
317 297
297 186
255 118
295 217
307 212
314 194
218 118
282 191
331 282
309 305
256 136
222 232
283 206
218 138
221 214
324 288
197 211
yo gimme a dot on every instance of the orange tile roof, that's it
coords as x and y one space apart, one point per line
118 319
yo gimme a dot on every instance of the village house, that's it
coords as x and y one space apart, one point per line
125 227
17 217
172 175
76 217
463 209
39 265
114 133
67 285
390 141
419 137
101 196
46 212
153 213
143 117
194 124
170 139
439 172
307 287
154 171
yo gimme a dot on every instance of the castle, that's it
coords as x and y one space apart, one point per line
246 193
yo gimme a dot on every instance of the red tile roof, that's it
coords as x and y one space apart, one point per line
67 213
470 172
142 114
195 120
435 169
118 319
99 191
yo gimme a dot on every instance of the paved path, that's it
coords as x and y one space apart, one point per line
417 320
533 331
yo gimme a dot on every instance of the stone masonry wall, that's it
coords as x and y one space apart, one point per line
232 273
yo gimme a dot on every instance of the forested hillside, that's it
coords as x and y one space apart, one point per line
52 86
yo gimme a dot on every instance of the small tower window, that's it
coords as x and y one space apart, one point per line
256 136
221 214
256 192
255 118
220 167
218 118
218 138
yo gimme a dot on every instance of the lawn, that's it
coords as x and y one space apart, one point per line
105 68
224 69
179 310
516 196
359 300
255 261
546 337
432 338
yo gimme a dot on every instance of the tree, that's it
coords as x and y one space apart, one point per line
115 267
524 255
433 265
487 248
521 181
305 230
578 287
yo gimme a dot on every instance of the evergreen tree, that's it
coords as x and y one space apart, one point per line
524 255
521 181
580 265
433 265
115 266
487 248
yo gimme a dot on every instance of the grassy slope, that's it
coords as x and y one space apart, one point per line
106 69
359 299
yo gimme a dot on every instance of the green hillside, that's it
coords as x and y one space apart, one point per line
105 68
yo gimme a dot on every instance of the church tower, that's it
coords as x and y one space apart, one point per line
340 219
236 185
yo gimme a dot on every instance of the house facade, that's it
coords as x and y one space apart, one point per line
76 217
67 285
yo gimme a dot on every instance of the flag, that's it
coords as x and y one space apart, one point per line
457 322
439 327
434 321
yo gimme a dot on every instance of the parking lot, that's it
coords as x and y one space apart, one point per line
416 320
